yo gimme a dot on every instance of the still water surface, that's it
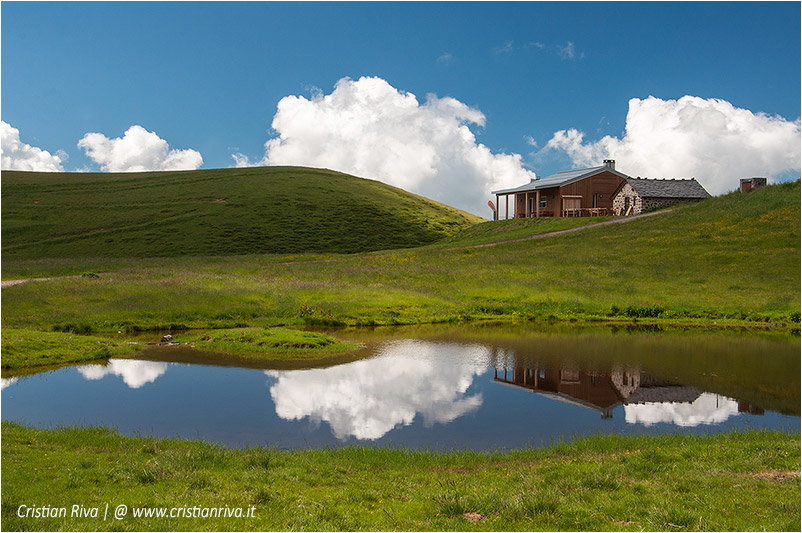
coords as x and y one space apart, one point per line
437 388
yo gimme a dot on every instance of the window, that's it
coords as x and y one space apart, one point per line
543 202
569 376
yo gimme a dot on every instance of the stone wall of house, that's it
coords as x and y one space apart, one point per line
642 205
625 381
619 200
650 204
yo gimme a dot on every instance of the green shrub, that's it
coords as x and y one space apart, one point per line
318 316
72 328
644 311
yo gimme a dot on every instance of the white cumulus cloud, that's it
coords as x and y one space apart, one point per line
16 155
709 139
371 129
138 150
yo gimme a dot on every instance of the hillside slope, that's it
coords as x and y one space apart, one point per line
213 212
731 258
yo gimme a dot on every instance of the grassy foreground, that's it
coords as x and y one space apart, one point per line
735 481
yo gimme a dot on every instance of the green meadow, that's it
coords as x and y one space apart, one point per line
731 261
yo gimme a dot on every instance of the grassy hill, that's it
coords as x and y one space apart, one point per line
732 259
212 213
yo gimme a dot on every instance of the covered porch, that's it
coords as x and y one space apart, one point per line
544 203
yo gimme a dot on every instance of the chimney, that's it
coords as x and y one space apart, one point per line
610 163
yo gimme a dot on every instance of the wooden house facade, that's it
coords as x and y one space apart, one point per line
583 192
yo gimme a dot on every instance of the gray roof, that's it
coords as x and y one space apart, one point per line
676 394
671 188
561 178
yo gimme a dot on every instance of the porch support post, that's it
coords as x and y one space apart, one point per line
497 214
537 203
507 200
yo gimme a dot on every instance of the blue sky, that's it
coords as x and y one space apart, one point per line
208 77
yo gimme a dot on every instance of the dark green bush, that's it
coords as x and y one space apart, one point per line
73 328
644 311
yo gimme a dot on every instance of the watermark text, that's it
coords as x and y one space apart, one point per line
119 512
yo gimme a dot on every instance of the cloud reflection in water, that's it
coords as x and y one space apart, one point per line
368 398
706 409
5 382
134 373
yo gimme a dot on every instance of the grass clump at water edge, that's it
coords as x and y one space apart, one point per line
266 342
26 348
29 349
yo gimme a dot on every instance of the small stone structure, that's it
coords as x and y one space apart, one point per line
747 184
625 381
639 195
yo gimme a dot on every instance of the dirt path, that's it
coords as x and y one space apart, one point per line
618 220
11 282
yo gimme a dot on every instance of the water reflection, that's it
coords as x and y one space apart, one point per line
705 409
5 382
646 399
444 389
134 373
367 399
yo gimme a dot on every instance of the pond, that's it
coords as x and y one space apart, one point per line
482 388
